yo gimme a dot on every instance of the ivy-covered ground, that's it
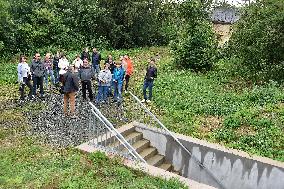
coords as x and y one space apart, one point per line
218 106
30 158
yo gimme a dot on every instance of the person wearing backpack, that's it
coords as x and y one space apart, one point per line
86 73
38 73
24 77
151 74
104 82
70 87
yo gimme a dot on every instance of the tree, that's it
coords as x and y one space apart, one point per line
258 37
196 44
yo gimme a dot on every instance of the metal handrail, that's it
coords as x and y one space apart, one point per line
116 134
177 140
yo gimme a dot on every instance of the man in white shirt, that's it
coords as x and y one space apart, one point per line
63 66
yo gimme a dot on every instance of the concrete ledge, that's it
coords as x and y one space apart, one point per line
151 170
235 169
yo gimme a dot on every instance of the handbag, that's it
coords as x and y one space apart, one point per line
61 89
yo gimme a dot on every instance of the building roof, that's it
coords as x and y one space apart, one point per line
223 15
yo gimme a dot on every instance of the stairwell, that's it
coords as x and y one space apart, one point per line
147 151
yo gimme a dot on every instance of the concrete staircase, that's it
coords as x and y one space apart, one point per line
148 153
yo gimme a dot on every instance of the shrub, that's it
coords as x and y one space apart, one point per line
196 44
258 39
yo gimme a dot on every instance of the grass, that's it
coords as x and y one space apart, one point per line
27 163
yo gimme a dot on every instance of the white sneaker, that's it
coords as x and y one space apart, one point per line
148 101
143 100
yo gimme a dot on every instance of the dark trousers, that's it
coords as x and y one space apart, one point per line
87 85
127 77
38 81
56 75
149 85
26 82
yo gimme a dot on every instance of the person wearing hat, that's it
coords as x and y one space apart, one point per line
70 87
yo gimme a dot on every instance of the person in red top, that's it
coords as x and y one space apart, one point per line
129 70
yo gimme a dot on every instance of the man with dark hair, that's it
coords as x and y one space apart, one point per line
96 59
151 74
38 73
70 87
55 67
85 54
86 73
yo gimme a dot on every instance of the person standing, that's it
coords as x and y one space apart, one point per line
118 78
86 74
77 63
129 70
85 54
111 63
70 87
104 83
63 65
38 73
24 77
96 59
48 69
55 67
151 74
112 66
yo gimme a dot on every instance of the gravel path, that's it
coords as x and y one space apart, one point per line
56 129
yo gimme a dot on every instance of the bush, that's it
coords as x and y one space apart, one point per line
258 39
196 44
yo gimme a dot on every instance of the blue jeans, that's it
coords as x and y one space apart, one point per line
102 93
149 85
96 68
49 73
118 91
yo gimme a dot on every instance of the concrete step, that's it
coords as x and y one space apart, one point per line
148 153
156 160
134 137
140 145
131 138
166 166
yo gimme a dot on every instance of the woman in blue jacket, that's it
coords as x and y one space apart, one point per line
118 78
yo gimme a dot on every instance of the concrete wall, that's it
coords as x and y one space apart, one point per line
236 170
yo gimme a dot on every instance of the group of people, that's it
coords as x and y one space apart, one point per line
82 72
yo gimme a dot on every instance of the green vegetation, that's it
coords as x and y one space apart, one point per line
218 106
29 25
195 46
258 40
